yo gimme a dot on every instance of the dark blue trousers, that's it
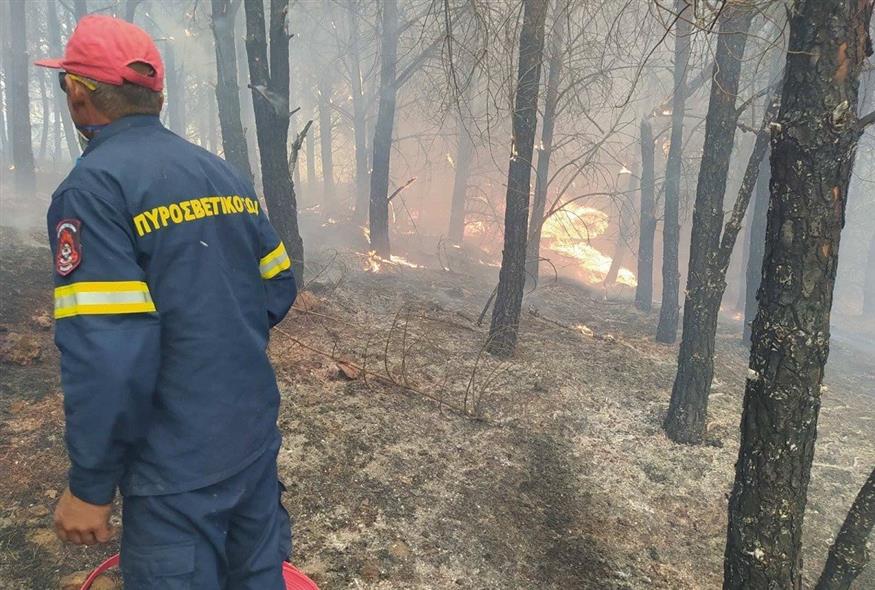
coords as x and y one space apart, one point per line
233 535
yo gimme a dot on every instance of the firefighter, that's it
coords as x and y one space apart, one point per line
168 278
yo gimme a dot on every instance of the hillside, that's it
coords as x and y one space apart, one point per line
414 460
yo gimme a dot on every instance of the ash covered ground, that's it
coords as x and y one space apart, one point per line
415 461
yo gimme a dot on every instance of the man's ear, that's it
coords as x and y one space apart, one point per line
77 96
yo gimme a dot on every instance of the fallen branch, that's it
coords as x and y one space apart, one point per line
388 380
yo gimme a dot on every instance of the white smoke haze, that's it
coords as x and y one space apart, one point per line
607 75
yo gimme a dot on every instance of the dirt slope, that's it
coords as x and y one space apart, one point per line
437 467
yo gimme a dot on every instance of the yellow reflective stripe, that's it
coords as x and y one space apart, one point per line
103 298
101 287
278 251
282 265
275 262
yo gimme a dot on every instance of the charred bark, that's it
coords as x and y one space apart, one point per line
647 221
511 278
849 554
5 153
456 232
621 246
131 9
545 151
269 81
813 151
310 150
54 40
19 102
666 330
325 143
227 89
706 279
757 246
175 76
378 219
44 101
359 122
80 9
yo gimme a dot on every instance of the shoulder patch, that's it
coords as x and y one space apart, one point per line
69 249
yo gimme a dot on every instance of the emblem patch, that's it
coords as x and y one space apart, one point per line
69 253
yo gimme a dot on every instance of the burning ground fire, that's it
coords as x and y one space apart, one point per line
569 232
375 263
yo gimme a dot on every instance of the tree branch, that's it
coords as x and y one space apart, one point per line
401 188
865 121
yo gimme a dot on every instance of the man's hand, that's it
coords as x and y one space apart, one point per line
81 523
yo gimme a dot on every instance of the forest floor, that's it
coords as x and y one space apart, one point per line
414 461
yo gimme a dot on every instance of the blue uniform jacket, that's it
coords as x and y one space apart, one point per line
168 278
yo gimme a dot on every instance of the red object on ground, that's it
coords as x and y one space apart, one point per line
295 579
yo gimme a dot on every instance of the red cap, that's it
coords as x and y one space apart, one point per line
102 48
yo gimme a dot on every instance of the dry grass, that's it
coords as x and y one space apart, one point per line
414 461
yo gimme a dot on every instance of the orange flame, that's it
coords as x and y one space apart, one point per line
375 263
569 231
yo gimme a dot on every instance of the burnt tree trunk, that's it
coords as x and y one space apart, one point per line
44 103
744 255
131 9
310 150
456 232
511 279
328 196
849 554
813 152
869 282
688 408
270 99
175 75
19 102
53 37
80 9
624 220
5 153
545 151
757 244
378 219
359 121
247 109
227 89
647 220
685 421
666 330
